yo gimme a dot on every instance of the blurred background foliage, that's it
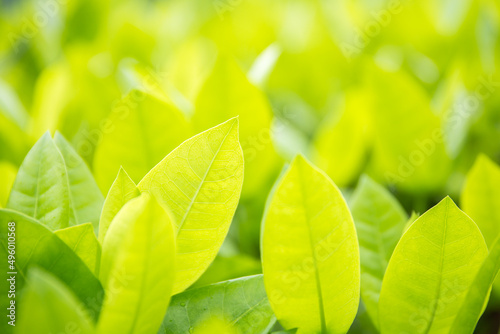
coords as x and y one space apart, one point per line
404 91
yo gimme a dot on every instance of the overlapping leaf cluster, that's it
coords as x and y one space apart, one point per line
131 216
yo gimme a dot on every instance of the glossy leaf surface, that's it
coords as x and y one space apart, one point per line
137 268
47 307
83 242
36 246
142 131
310 253
122 191
430 271
200 182
380 221
242 303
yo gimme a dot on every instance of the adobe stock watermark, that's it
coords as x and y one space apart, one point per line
451 291
224 6
117 283
299 273
458 113
254 144
31 25
379 20
120 111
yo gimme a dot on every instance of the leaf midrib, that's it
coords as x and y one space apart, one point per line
316 269
202 181
144 275
68 183
440 282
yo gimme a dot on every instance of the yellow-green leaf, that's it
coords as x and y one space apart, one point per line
137 268
37 246
481 197
310 253
41 187
241 302
122 191
82 240
430 272
55 186
140 131
200 182
85 197
47 306
380 221
478 295
350 120
7 176
227 93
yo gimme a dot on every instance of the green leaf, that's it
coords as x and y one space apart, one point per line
137 268
55 186
229 267
310 253
414 216
351 120
41 186
7 177
122 191
477 297
38 246
380 221
240 302
53 91
141 131
13 123
408 148
430 272
47 307
213 325
82 240
11 106
200 182
85 197
228 92
481 197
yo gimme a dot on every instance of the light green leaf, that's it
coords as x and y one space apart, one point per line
141 131
55 186
7 177
408 148
350 120
380 221
227 93
481 197
41 186
85 197
214 325
11 106
229 267
137 268
430 272
200 182
48 307
477 297
13 141
122 191
38 246
310 253
82 240
241 302
414 216
52 94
